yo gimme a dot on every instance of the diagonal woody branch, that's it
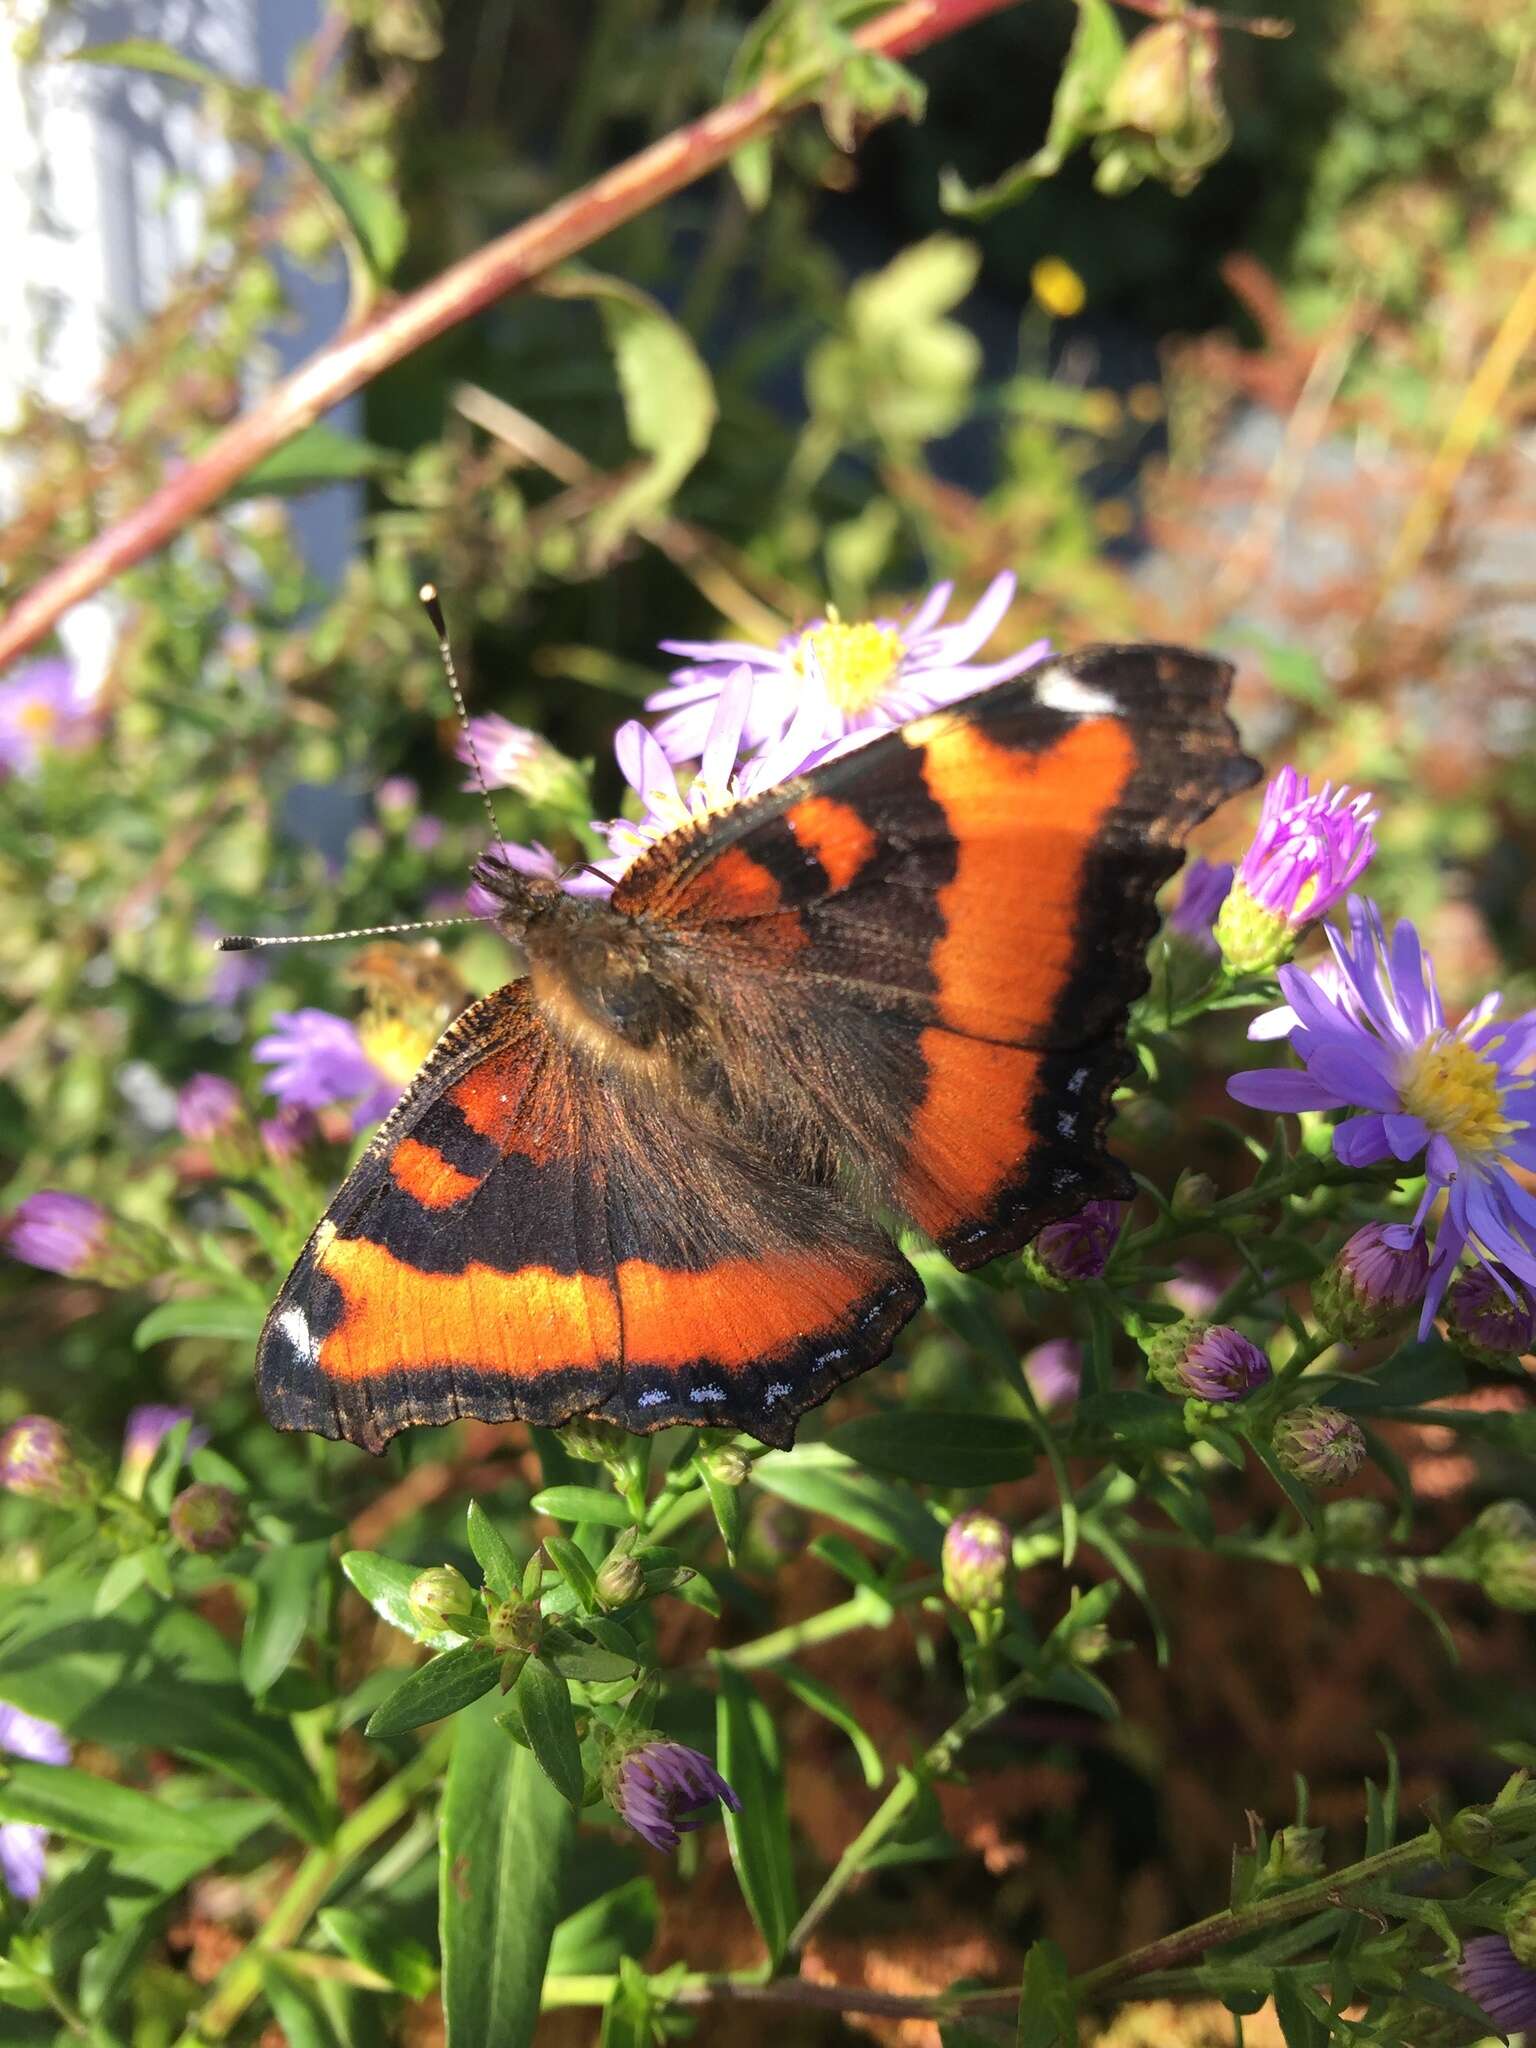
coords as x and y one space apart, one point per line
466 288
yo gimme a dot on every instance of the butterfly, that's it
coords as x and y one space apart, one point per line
656 1178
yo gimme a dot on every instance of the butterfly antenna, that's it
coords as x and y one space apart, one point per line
239 942
432 606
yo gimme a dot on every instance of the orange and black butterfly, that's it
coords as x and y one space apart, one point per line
651 1180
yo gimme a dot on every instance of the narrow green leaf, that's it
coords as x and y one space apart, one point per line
494 1555
365 1938
140 53
119 1582
969 1307
77 1803
939 1448
450 1682
622 1922
386 1585
1295 1490
824 1482
823 1700
505 1836
237 1322
1047 2014
759 1835
297 2008
725 1505
592 1662
581 1504
573 1567
374 218
284 1583
544 1699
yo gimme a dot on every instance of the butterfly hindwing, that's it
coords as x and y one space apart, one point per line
533 1235
939 933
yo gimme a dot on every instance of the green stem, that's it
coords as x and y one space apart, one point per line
866 1609
315 1877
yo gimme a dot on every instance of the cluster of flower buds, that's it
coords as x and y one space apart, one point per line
1205 1361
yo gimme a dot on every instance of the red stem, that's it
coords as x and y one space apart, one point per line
512 260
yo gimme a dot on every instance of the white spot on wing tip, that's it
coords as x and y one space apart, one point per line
294 1325
1059 690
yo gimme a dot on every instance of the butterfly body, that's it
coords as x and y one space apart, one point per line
651 1179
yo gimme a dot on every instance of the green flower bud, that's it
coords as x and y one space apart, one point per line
620 1578
517 1625
1471 1833
441 1598
1321 1445
1253 940
1355 1525
1194 1194
1520 1926
729 1465
976 1559
1503 1545
1295 1853
595 1442
206 1520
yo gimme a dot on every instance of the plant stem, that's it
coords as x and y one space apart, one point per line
864 1610
510 262
240 1982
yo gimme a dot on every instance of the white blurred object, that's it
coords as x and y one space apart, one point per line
102 176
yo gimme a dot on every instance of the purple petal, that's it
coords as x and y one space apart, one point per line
1407 1135
1280 1088
1350 1076
1362 1141
928 613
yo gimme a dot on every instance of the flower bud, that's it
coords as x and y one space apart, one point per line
146 1429
61 1233
397 796
1520 1926
206 1519
976 1560
512 757
1471 1833
1490 1316
661 1788
517 1625
1054 1371
1503 1543
1354 1525
1077 1249
620 1579
1295 1853
595 1442
1373 1283
1205 1361
208 1107
1307 853
729 1466
1194 1194
38 1461
285 1135
1322 1445
441 1598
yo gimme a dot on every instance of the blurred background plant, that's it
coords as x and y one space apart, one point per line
1205 333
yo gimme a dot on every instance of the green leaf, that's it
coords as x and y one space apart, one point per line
318 456
725 1505
284 1583
238 1322
1047 2011
77 1803
1295 1490
119 1582
573 1566
1132 1415
941 1448
302 2019
823 1482
386 1585
823 1700
581 1504
450 1682
364 1938
1411 1376
593 1662
622 1922
494 1555
669 398
505 1836
759 1835
373 218
1077 112
969 1307
140 53
544 1700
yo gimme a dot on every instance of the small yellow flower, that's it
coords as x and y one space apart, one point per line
1058 288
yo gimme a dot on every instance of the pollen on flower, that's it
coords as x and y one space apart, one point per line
856 662
394 1046
37 718
1456 1091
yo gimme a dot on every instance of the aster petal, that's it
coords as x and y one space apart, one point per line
928 613
1276 1023
1450 1242
959 642
723 742
1361 1141
1407 1135
1496 1228
729 651
1351 1074
1440 1160
22 1859
1282 1089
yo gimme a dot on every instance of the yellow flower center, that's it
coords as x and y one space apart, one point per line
1456 1091
856 662
395 1047
38 718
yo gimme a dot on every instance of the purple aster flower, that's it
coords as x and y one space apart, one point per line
1372 1282
661 1788
1504 1988
721 779
1308 851
208 1106
1077 1249
396 796
146 1429
1491 1316
850 678
43 707
512 757
424 834
1205 888
1055 1371
285 1135
22 1844
61 1233
317 1059
37 1461
976 1558
1462 1095
1206 1361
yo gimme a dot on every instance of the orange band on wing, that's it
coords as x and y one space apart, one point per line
835 833
523 1323
738 1312
972 1127
1023 823
424 1173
